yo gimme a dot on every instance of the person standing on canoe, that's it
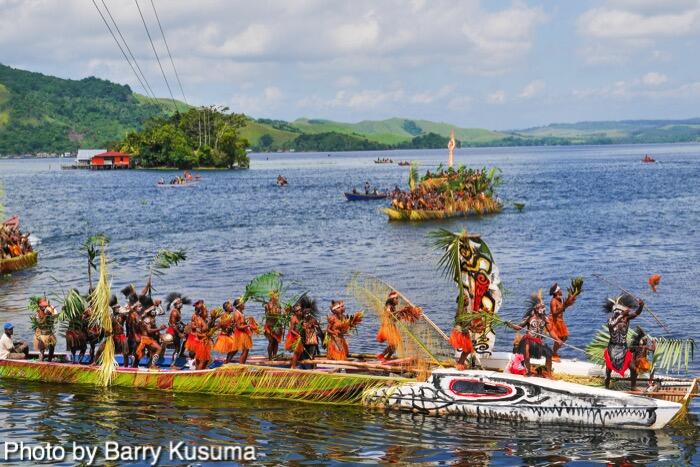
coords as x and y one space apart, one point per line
336 332
618 357
535 322
44 337
243 332
225 343
642 344
176 327
555 321
293 342
198 342
273 329
389 331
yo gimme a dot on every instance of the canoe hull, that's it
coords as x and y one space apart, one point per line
232 379
364 197
11 265
494 396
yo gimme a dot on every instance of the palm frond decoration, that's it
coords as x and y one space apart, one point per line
163 260
671 354
451 243
262 286
91 247
489 320
102 317
413 177
73 306
576 286
421 339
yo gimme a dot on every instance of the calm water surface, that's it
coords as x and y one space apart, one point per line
588 210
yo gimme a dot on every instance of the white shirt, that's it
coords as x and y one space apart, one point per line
6 346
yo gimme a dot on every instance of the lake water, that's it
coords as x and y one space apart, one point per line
592 209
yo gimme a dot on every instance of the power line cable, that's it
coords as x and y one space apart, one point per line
177 76
150 39
120 47
138 67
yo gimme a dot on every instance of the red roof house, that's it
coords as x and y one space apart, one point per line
110 160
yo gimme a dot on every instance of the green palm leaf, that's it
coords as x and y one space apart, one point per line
165 259
260 288
671 355
451 243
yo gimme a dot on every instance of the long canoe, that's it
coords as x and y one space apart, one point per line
10 265
473 393
364 197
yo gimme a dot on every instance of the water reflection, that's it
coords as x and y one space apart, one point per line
298 434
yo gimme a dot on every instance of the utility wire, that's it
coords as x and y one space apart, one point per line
169 54
148 85
120 47
150 39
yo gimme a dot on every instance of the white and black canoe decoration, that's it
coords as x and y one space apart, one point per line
489 395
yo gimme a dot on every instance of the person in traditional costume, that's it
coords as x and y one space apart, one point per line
225 342
243 331
118 336
336 332
642 345
198 343
311 335
617 355
294 342
532 345
274 325
150 340
388 331
555 321
175 336
44 336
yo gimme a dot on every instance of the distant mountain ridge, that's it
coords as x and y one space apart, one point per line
40 113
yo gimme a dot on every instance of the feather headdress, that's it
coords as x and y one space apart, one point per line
532 303
624 300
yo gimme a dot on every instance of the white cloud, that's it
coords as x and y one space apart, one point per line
430 97
498 97
346 81
654 79
532 89
620 29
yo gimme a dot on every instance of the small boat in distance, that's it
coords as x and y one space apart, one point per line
281 181
384 160
404 163
648 159
358 196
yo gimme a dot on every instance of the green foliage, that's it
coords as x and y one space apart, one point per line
451 243
263 286
48 114
201 137
671 354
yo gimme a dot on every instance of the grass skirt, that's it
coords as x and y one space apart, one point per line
200 347
242 340
337 348
461 341
538 349
389 333
225 344
45 340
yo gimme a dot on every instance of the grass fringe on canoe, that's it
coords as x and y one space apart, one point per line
233 379
18 263
671 355
475 206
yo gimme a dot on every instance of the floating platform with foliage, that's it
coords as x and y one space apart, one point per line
446 193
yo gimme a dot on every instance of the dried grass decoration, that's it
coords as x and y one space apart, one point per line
102 317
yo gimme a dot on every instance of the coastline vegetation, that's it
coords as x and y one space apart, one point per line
199 137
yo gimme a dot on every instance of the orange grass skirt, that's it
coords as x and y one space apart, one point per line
389 333
225 344
337 349
242 340
557 328
200 347
460 340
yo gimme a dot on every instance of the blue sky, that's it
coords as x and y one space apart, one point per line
495 64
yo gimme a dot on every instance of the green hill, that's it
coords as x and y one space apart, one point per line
40 113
